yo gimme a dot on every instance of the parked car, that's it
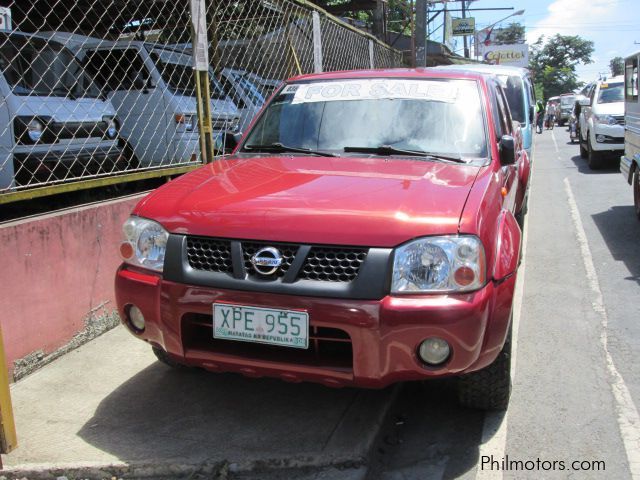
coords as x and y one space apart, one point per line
245 94
55 124
152 87
630 160
602 122
344 242
520 95
566 106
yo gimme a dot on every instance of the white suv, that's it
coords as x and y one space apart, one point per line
602 121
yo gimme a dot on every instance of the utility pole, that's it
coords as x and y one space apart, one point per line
464 15
421 33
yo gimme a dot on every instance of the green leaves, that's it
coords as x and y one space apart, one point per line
553 62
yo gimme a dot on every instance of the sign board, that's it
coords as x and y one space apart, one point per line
516 55
463 26
201 44
448 38
5 18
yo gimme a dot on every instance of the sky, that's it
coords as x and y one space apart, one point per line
613 25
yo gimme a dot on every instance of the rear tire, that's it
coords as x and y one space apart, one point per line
636 191
167 360
594 159
489 388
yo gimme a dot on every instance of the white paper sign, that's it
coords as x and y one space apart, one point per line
372 89
201 47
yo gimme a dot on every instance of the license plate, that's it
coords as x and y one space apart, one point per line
288 328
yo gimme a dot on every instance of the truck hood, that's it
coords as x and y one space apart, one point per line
220 108
341 201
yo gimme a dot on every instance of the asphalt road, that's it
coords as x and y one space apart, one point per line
576 379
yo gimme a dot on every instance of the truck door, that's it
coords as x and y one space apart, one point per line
140 106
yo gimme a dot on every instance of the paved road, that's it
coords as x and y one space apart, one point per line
576 380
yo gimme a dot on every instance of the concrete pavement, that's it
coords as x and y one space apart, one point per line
108 408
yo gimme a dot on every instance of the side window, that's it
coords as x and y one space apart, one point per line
497 123
503 109
592 93
631 79
117 69
230 90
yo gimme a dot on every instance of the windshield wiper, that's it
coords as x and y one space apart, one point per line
280 148
389 150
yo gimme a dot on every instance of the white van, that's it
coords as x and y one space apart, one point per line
54 124
152 87
602 121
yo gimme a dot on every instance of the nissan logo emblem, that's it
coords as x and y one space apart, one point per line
267 260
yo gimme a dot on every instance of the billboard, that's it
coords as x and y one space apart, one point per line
463 26
515 55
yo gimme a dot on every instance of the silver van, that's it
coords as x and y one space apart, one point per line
152 87
54 124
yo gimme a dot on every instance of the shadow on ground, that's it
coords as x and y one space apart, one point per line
611 165
194 416
620 230
427 435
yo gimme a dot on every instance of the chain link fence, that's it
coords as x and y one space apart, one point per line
100 90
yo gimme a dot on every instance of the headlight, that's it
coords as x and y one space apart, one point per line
604 119
234 125
188 122
112 126
144 244
439 264
34 130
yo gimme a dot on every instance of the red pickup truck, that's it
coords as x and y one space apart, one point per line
363 232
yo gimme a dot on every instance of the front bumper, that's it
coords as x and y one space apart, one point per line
365 343
607 138
67 161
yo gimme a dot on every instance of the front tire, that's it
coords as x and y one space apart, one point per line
594 159
583 151
167 360
489 388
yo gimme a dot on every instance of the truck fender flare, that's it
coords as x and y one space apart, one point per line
508 244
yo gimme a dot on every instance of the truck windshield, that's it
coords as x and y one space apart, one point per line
33 66
439 117
567 100
178 74
611 93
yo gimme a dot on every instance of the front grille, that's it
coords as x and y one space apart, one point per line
333 264
209 254
619 119
328 347
321 264
288 252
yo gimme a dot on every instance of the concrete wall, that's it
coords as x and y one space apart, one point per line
56 280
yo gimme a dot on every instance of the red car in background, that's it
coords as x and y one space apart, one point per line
364 232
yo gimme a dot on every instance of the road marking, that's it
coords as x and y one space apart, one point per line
555 144
627 413
494 428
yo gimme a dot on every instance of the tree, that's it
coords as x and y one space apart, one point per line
617 66
553 63
514 33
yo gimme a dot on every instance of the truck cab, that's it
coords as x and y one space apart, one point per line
55 124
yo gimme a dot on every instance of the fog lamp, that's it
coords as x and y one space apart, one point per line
600 138
434 351
136 319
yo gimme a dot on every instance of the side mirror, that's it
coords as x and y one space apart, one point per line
226 142
507 150
584 102
532 113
